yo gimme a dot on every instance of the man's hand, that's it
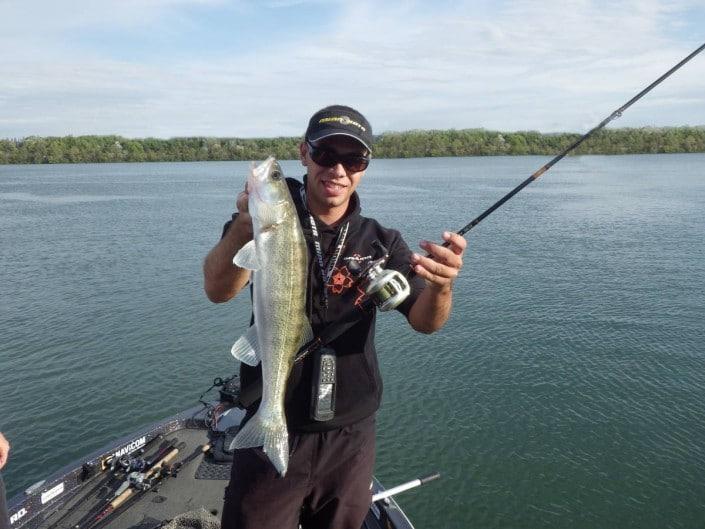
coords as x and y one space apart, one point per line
442 264
4 450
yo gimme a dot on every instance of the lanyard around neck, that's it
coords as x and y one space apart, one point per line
326 272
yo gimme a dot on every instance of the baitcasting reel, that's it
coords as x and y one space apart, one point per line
386 288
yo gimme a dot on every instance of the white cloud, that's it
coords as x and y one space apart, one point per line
554 65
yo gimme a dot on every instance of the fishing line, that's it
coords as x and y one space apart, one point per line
616 114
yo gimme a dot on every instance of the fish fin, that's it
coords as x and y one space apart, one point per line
273 438
246 349
307 333
247 257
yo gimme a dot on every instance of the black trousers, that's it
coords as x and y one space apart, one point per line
4 520
327 484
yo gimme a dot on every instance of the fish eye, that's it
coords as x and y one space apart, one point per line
276 175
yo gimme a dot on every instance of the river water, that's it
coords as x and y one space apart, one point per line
567 389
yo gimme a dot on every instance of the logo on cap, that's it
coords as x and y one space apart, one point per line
343 120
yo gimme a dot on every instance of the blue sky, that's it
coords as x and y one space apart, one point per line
242 68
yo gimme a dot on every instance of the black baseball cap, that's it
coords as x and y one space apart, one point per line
339 120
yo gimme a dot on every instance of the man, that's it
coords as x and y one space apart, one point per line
4 453
331 460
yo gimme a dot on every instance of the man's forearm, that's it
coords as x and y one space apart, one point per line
431 310
221 279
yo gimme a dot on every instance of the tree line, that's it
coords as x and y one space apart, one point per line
410 144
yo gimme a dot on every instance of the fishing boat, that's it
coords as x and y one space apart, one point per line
170 474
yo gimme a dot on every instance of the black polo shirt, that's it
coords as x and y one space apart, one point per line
359 384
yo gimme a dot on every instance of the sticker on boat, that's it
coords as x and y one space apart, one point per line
18 516
52 493
134 445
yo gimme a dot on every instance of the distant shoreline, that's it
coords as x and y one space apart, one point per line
410 144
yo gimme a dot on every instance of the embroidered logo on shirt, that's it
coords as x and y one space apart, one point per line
360 298
341 280
357 258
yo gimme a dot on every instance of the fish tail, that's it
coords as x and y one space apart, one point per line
272 436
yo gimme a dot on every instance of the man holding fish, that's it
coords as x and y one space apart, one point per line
306 449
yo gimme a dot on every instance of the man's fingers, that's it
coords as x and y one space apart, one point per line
456 243
443 255
241 202
432 269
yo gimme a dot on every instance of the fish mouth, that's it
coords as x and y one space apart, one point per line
266 187
259 174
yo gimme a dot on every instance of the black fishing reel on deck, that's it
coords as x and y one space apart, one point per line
386 288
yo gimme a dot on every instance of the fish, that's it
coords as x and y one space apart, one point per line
277 255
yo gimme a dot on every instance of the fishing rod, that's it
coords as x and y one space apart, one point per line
107 468
93 516
93 520
388 288
616 114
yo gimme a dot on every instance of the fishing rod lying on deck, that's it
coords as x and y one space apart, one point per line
616 114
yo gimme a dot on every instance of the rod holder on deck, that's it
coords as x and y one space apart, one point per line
404 487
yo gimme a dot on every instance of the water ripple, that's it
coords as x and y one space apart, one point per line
565 391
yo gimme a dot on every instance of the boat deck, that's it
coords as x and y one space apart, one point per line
199 483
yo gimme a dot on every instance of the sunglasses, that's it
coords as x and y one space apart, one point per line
328 158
